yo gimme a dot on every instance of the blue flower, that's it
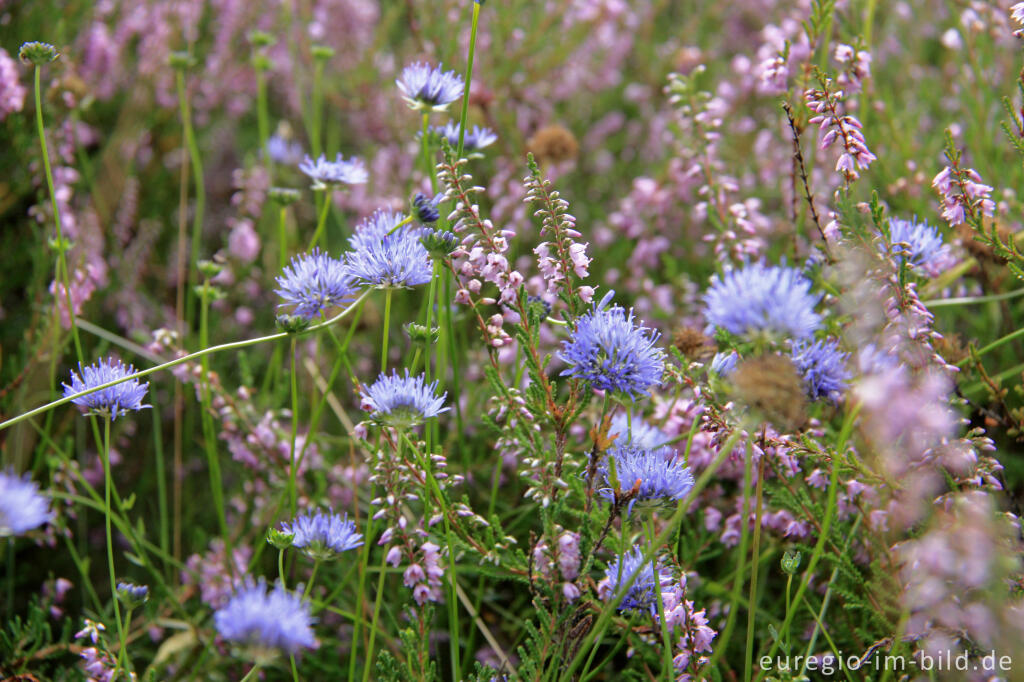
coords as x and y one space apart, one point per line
323 535
662 475
475 139
132 595
424 87
612 353
920 244
762 298
822 365
402 400
723 364
636 431
281 150
114 400
384 257
426 209
22 508
339 171
314 282
275 619
642 595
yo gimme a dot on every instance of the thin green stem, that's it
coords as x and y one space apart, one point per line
666 639
469 79
741 555
209 431
315 116
192 148
368 664
252 674
161 483
387 328
321 222
234 345
62 273
263 121
971 300
312 579
292 496
992 346
607 611
752 597
282 237
108 486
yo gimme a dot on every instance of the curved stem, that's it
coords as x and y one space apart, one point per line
469 78
62 263
234 345
251 675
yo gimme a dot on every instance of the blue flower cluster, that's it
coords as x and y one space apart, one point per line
920 245
314 282
385 257
763 298
822 365
337 172
424 87
402 401
663 477
612 352
113 400
476 138
322 535
22 508
275 619
642 595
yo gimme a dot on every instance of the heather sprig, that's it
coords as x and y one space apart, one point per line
835 125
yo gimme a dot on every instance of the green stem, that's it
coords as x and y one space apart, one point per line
234 345
292 496
282 237
263 122
161 483
9 605
970 300
826 526
387 327
992 346
209 431
607 611
738 578
251 675
108 485
315 116
192 148
469 78
752 597
312 579
321 223
368 664
62 263
666 639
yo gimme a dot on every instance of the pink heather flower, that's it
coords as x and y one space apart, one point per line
243 242
12 94
836 126
962 194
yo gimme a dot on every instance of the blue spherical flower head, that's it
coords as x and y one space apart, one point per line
402 401
474 140
822 365
642 595
337 172
663 478
637 431
762 299
22 507
323 536
314 282
388 258
612 352
266 621
429 88
113 400
426 208
920 245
